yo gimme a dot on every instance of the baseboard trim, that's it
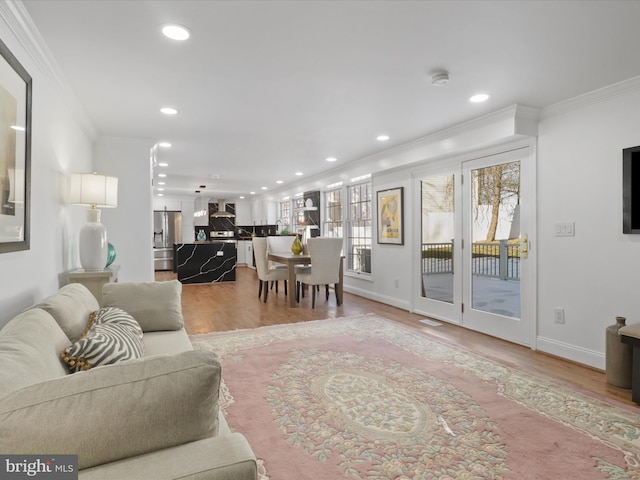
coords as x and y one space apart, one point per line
394 302
571 352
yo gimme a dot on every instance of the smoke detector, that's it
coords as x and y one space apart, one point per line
439 79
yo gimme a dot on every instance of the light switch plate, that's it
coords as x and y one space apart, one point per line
566 229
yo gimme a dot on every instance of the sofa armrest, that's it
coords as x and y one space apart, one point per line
116 411
225 457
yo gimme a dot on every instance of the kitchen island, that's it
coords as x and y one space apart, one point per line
206 262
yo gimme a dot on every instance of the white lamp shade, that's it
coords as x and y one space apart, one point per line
94 190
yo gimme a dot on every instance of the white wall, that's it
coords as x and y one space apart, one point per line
130 225
593 275
61 144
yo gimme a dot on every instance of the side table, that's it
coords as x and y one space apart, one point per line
94 280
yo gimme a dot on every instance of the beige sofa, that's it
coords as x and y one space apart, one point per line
151 418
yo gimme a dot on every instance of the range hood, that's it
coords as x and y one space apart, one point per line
222 211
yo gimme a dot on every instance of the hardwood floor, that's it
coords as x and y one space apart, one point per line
215 307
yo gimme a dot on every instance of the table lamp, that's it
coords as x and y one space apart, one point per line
93 190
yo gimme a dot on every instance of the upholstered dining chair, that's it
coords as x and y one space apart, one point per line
266 274
325 253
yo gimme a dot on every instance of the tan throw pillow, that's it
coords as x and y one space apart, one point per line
156 306
71 307
112 336
117 411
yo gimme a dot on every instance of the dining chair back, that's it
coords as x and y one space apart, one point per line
266 274
325 253
279 244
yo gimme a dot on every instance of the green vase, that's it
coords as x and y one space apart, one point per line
111 254
296 246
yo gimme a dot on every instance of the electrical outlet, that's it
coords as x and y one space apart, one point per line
558 315
396 283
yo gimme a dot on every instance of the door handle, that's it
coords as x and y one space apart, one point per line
524 246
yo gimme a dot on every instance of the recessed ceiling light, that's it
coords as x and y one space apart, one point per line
263 188
161 194
479 98
161 189
168 110
382 138
18 128
162 175
299 174
161 183
164 144
252 193
279 181
332 159
241 197
175 32
163 164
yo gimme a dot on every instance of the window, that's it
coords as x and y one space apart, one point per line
285 215
359 227
298 213
333 213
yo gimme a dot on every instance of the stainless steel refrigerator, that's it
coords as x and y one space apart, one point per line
167 230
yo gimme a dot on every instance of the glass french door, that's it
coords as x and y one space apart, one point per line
475 221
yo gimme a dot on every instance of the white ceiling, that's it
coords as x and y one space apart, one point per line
267 88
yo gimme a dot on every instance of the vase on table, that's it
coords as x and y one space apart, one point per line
296 246
202 236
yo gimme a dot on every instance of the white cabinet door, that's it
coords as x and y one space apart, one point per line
249 254
242 251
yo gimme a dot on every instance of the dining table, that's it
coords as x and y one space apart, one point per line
291 261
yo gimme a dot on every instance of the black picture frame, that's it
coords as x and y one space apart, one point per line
390 215
15 153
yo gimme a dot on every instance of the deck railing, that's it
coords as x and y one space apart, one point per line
489 259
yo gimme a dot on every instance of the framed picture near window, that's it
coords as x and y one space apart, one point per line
390 216
15 152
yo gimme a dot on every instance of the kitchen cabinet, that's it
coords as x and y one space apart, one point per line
248 252
201 212
243 213
264 212
242 252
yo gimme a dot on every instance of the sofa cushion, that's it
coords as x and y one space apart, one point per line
632 330
30 347
155 305
71 307
116 411
112 336
166 342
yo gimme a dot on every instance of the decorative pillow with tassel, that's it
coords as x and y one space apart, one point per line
112 336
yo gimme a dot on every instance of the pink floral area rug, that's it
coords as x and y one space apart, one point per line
368 398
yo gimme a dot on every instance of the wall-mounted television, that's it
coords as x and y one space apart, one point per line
631 190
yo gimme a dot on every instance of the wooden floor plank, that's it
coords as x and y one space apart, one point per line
216 307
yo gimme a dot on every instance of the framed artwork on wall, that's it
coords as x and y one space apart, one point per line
15 153
390 216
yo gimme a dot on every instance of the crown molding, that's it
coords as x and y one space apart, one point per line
515 121
16 17
592 97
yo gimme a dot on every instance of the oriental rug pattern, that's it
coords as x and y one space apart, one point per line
367 398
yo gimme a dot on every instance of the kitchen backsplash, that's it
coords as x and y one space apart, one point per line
257 230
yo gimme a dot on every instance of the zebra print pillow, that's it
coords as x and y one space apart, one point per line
111 336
